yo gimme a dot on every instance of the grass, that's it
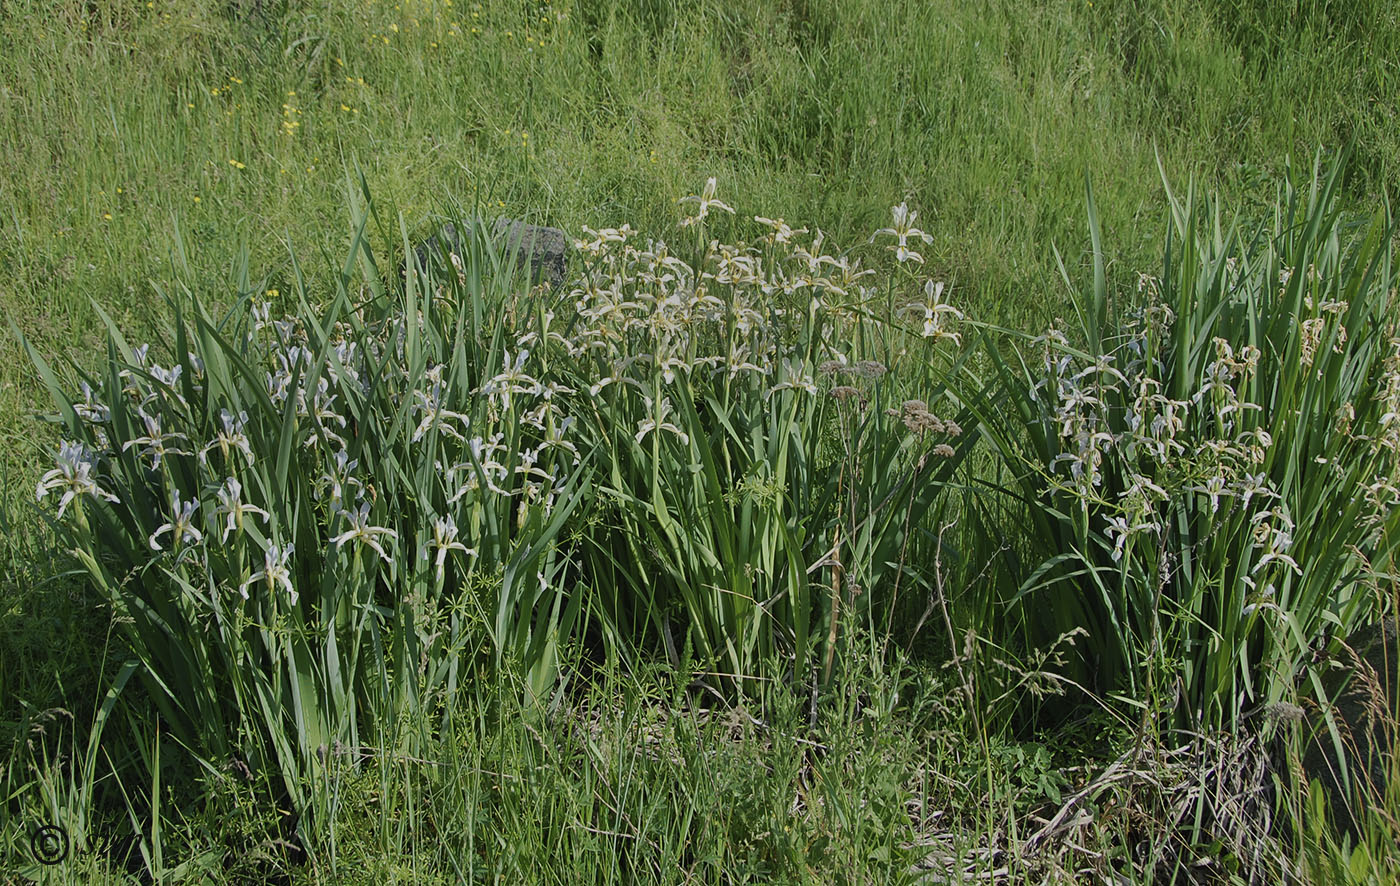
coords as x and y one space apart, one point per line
208 151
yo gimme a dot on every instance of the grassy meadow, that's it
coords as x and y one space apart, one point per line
965 448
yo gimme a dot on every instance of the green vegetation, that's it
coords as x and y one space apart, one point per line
763 553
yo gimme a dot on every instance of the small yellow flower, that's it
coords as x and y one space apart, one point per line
235 79
196 199
107 216
235 164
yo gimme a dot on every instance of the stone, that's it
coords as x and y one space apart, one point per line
541 249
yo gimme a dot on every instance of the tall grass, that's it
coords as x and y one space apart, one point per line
273 518
1208 468
465 502
313 529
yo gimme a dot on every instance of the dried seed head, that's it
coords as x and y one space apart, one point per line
943 450
921 422
846 392
869 369
918 419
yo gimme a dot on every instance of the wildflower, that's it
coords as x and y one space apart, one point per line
658 421
511 380
1085 461
1101 367
1214 487
1143 489
794 378
435 416
482 465
903 231
736 363
1276 556
231 503
275 572
338 478
231 437
73 476
91 409
1256 443
344 368
599 244
444 540
943 450
706 201
1273 530
1119 527
168 377
1255 484
155 440
261 312
934 310
781 232
362 533
181 523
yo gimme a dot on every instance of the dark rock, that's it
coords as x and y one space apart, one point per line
542 250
